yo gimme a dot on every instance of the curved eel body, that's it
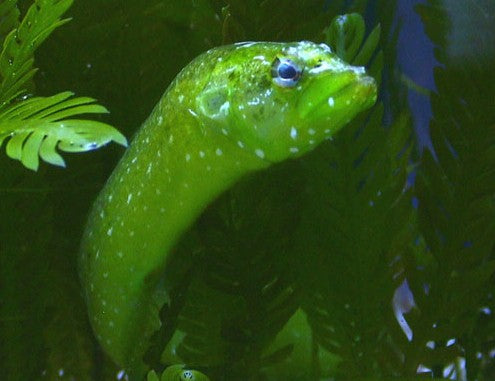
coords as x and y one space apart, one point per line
233 110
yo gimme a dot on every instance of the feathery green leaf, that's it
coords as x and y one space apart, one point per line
9 17
17 56
456 191
356 223
37 126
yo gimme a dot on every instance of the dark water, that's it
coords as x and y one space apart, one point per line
328 254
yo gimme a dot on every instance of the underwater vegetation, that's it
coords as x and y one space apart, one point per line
366 258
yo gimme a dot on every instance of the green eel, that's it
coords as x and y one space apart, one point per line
233 110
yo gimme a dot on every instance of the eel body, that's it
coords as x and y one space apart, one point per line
233 110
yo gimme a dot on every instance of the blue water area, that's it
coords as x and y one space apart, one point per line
415 56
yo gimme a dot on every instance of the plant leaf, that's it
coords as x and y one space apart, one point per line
9 17
38 126
16 58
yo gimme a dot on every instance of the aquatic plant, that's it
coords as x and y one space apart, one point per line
37 126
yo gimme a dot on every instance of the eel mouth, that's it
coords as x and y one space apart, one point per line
334 95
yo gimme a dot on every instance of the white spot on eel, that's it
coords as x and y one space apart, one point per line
293 133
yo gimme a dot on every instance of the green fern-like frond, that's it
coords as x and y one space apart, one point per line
37 126
17 57
9 17
362 220
455 187
355 224
346 36
238 293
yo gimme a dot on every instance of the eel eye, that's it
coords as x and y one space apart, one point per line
285 72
